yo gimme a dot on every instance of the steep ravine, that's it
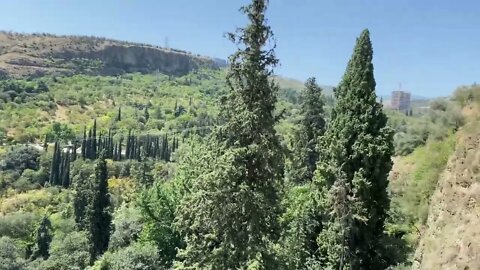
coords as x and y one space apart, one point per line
451 239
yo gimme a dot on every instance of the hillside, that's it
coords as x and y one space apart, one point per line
450 238
150 110
434 191
35 55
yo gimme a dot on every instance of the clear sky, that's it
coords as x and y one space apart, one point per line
430 46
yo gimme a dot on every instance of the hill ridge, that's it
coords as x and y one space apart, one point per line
35 55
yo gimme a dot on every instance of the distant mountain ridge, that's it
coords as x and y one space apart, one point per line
34 55
290 83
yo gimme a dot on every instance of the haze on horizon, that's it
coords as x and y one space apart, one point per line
430 47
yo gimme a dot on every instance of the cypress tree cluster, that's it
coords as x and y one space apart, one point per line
152 146
89 143
230 220
60 168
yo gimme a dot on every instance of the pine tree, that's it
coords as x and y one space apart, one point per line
356 155
312 127
43 238
100 220
230 219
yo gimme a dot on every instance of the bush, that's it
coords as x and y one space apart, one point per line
429 161
68 253
60 132
139 256
127 225
18 225
20 158
10 255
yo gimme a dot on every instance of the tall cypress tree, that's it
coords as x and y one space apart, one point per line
56 164
43 238
65 170
94 140
312 126
100 220
146 114
119 115
230 220
356 155
84 143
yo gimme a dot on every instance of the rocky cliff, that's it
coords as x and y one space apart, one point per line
24 55
452 237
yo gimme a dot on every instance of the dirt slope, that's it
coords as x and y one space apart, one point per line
452 237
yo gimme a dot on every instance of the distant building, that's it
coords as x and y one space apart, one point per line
400 100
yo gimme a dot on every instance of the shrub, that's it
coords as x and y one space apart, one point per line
139 256
68 253
127 225
20 158
10 255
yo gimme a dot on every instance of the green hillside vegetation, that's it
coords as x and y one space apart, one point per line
219 168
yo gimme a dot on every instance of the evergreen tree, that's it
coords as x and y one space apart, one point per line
74 152
301 218
146 114
119 115
100 222
56 163
94 140
356 155
84 189
312 126
43 238
65 170
230 219
45 143
84 143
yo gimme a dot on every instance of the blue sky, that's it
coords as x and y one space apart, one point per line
430 46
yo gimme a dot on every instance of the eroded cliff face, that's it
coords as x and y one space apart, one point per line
451 239
37 55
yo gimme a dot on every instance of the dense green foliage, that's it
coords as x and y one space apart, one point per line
356 159
312 126
43 238
230 218
159 172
